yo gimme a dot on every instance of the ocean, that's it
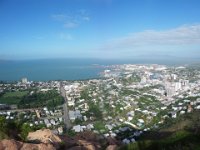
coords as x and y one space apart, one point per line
58 69
49 69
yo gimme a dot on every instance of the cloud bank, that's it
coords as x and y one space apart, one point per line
182 41
184 35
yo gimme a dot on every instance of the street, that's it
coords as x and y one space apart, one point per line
65 108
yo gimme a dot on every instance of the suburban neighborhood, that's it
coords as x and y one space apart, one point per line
125 102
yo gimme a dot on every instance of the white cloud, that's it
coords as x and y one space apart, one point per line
83 15
59 17
182 41
184 35
72 20
71 25
86 18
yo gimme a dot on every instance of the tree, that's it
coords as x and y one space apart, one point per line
3 124
94 109
78 121
25 129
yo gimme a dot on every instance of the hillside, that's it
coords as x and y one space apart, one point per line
182 133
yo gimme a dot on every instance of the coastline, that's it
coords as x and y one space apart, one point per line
66 69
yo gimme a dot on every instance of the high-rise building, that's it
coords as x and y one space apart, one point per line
24 80
178 86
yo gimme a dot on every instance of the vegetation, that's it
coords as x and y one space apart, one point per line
41 99
12 97
25 129
131 79
2 123
94 111
99 125
15 129
70 133
37 99
180 140
181 133
85 94
127 92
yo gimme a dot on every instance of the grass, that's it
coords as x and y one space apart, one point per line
15 94
49 99
12 97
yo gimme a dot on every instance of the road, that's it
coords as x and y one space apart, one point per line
65 108
22 110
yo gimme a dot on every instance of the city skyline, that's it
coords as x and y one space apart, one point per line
99 29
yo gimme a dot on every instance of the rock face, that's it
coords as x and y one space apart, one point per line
112 147
46 140
16 145
43 136
10 145
83 141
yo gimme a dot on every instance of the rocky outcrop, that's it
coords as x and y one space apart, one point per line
112 147
10 145
43 136
82 141
40 140
46 140
16 145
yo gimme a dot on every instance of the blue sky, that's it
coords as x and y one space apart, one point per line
31 29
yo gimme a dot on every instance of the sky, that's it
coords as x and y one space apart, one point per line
35 29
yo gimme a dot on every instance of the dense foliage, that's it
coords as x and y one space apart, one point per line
180 133
16 129
12 97
37 99
41 99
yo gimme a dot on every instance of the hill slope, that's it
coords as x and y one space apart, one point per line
182 133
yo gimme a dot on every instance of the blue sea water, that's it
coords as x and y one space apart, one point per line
58 69
44 70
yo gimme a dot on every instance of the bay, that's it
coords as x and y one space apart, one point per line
64 69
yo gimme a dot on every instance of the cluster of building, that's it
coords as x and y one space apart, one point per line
129 100
24 84
132 96
44 118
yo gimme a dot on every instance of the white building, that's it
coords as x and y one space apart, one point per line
24 80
